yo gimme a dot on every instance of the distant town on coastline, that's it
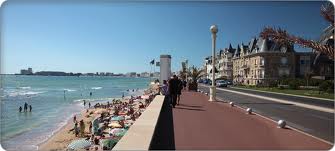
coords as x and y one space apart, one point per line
29 71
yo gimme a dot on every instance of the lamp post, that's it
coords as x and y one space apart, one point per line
186 66
212 96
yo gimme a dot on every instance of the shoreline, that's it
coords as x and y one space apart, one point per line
58 139
61 138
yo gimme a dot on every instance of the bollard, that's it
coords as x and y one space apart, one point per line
249 110
232 104
281 124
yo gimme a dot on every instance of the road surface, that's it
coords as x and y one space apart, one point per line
314 122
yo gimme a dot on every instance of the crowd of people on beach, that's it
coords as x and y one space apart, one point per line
115 115
25 108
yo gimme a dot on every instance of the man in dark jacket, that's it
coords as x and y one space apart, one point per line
173 89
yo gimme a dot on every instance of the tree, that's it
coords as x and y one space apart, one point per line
195 73
283 37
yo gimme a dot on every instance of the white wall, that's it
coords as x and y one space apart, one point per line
165 68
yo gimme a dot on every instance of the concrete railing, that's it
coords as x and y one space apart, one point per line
140 134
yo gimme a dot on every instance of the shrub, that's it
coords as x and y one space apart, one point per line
327 86
293 84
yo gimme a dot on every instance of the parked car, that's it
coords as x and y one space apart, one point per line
229 82
221 83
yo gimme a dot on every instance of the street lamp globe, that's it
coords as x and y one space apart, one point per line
214 29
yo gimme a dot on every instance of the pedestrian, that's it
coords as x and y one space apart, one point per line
74 119
173 90
164 88
76 129
122 95
20 109
30 108
84 102
82 128
25 108
90 128
89 104
179 87
184 84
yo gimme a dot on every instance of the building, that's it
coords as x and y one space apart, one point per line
263 61
323 66
145 74
131 74
225 63
29 71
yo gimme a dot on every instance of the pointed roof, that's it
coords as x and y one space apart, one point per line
237 52
230 47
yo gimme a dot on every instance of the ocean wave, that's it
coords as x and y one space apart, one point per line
96 88
24 93
69 90
24 87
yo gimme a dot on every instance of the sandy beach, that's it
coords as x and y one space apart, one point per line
61 139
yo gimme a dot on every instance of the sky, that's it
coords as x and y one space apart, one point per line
120 37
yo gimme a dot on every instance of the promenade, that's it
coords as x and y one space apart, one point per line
197 123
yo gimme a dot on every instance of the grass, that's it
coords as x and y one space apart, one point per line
311 93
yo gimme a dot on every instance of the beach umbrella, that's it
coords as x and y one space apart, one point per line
118 131
109 143
117 118
114 125
145 96
79 144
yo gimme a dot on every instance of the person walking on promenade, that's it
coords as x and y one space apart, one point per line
30 108
84 102
89 104
173 89
184 84
20 109
82 128
25 108
179 87
164 88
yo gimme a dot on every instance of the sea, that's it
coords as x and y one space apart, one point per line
54 100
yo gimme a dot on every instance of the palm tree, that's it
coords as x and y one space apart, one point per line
195 73
283 37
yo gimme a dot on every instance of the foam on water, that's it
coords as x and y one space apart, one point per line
22 93
24 87
70 90
96 88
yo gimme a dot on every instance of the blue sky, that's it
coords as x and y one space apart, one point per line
121 37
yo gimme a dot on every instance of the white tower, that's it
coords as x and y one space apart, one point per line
165 68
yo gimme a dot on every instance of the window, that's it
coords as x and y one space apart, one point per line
283 60
262 61
302 61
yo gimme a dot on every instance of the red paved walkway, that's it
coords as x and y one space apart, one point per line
199 124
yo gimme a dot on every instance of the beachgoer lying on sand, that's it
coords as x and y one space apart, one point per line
141 106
